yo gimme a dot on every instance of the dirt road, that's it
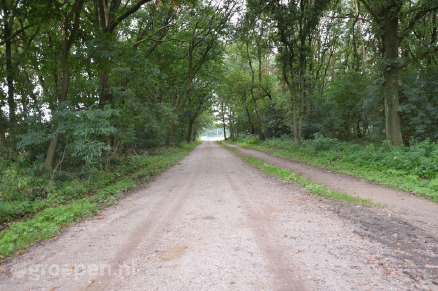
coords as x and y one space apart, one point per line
421 212
215 223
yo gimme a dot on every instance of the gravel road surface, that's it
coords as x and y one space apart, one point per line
215 223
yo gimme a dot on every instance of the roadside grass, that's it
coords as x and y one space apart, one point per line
311 187
64 208
413 169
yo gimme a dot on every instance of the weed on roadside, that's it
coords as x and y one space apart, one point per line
311 187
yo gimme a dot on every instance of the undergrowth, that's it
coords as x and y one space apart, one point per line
413 169
28 221
311 187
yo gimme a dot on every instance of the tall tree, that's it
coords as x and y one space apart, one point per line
296 23
254 35
106 16
69 27
387 16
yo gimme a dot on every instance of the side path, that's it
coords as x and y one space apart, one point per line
417 210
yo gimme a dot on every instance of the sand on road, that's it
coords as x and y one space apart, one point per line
215 223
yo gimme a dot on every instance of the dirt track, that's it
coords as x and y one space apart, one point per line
423 213
215 223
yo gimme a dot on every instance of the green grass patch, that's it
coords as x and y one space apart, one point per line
287 175
413 169
64 207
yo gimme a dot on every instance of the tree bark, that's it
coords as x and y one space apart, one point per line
259 87
223 120
391 45
295 113
7 24
433 36
169 137
69 39
250 124
255 98
50 157
105 93
190 131
259 121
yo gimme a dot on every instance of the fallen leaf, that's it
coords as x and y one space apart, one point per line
431 266
387 272
71 267
53 289
101 217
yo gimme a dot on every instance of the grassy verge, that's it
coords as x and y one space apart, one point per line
310 186
67 209
413 169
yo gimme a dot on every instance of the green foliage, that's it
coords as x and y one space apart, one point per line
276 121
351 107
419 104
13 184
85 132
46 224
250 139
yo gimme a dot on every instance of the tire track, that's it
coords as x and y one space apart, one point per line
160 218
286 276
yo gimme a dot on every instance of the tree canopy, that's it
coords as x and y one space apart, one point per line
83 82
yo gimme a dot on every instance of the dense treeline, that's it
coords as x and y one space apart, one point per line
351 70
86 82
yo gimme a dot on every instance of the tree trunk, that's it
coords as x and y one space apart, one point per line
299 105
10 73
69 39
105 94
225 129
433 36
190 131
259 88
170 135
2 138
232 130
250 124
223 120
195 133
259 121
257 97
64 90
51 153
359 32
295 114
390 87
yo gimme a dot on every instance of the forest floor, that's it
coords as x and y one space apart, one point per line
213 222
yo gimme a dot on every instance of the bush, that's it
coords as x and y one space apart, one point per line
14 185
321 143
251 139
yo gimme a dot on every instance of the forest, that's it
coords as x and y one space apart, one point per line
93 91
